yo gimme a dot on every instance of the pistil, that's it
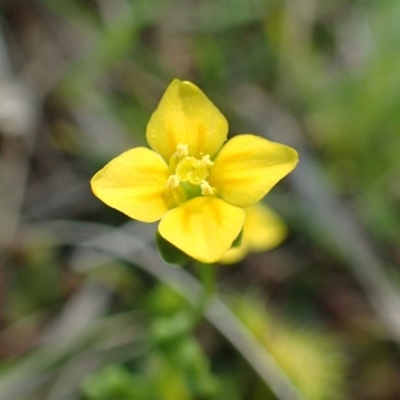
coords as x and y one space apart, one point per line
190 169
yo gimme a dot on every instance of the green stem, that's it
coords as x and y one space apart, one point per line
207 276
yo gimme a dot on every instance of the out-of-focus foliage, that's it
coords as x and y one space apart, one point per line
311 359
78 82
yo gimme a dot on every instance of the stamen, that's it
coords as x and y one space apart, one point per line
206 189
172 182
206 161
189 169
182 150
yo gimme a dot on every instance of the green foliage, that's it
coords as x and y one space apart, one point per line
313 360
115 382
175 368
164 301
181 370
38 270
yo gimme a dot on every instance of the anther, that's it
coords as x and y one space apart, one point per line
206 161
172 182
206 189
182 150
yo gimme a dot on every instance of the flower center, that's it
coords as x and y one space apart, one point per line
190 169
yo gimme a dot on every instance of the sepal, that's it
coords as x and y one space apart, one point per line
238 241
170 253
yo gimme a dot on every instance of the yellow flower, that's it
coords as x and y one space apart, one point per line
192 181
262 230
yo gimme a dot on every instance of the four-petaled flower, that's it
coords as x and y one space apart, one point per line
192 181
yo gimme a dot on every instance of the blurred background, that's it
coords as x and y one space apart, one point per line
87 308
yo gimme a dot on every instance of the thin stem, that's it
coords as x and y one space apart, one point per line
207 274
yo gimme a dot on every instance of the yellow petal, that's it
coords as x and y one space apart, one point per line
204 227
263 229
135 184
186 116
248 167
235 254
